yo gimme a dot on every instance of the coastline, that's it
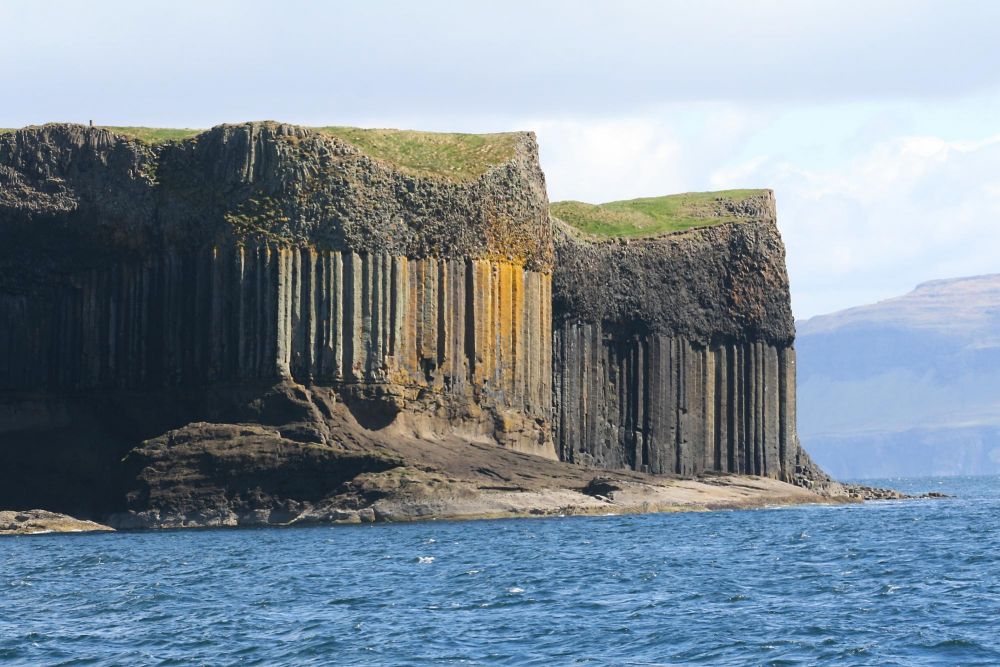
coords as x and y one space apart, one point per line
434 499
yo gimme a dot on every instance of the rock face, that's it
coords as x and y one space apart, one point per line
140 284
263 324
674 354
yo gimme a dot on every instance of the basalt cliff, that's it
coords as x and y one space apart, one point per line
264 323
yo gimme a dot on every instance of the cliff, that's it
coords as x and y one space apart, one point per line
673 353
140 283
264 323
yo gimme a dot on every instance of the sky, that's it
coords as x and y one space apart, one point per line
877 123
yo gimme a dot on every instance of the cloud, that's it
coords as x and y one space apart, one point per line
603 161
203 63
906 210
671 149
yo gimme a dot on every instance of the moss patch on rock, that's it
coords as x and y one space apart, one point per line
650 216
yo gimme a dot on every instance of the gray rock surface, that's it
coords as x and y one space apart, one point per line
258 182
722 283
41 522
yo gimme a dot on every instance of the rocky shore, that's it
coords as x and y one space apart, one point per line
407 494
40 522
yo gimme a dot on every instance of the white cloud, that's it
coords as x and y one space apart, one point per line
907 210
603 161
329 62
670 149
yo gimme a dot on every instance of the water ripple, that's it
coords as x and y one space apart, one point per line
901 583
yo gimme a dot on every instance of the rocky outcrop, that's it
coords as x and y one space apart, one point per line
40 522
226 475
674 354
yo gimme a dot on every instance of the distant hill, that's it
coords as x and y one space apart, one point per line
905 386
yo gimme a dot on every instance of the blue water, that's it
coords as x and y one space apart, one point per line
904 583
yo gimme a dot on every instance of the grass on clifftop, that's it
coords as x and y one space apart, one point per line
651 215
452 156
150 135
154 135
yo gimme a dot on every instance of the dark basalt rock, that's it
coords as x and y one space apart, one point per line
257 183
234 474
722 283
144 288
601 486
674 354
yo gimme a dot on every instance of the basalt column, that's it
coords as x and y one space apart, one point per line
674 354
662 404
403 332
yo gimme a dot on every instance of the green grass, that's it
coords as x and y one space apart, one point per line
651 215
154 135
451 156
150 135
435 154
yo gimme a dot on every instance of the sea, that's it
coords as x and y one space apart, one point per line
885 583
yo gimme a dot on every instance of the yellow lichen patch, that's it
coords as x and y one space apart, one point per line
517 328
505 286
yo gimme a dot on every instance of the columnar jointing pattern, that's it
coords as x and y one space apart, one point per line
663 404
269 312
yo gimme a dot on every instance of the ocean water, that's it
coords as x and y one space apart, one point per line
896 583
